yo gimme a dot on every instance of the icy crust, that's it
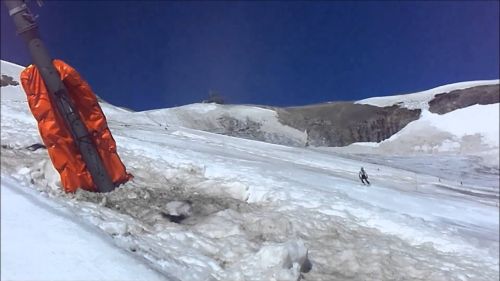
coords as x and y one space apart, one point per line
420 100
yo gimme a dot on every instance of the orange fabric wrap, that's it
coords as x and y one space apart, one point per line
57 137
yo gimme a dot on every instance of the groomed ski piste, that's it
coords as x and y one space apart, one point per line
253 210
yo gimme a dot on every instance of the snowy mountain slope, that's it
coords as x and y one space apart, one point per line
250 122
235 120
465 134
454 132
268 212
472 131
468 131
420 100
332 124
329 124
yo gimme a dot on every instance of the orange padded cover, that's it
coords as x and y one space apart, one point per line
56 136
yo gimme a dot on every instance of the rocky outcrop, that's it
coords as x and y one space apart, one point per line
343 123
447 102
7 80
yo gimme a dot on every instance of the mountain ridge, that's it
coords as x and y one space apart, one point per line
331 124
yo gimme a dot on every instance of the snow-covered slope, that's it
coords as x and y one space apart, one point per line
42 241
472 130
259 211
478 137
250 122
243 121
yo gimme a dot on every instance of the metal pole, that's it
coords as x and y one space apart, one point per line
28 29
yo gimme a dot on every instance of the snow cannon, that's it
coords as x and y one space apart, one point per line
70 120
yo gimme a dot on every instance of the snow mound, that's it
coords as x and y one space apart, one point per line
282 262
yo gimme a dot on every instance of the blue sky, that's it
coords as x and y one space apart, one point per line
146 54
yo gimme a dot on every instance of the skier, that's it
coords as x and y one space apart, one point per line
363 176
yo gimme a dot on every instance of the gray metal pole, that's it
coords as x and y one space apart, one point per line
27 28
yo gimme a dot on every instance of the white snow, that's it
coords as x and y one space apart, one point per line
258 211
477 119
44 241
178 208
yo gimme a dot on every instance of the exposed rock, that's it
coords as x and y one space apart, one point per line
343 123
7 80
36 146
444 103
329 124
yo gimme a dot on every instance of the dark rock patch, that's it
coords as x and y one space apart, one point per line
7 80
343 123
237 128
174 218
149 205
447 102
36 146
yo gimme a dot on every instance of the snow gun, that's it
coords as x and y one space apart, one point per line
70 120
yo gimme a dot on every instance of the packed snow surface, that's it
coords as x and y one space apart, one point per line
204 206
42 241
